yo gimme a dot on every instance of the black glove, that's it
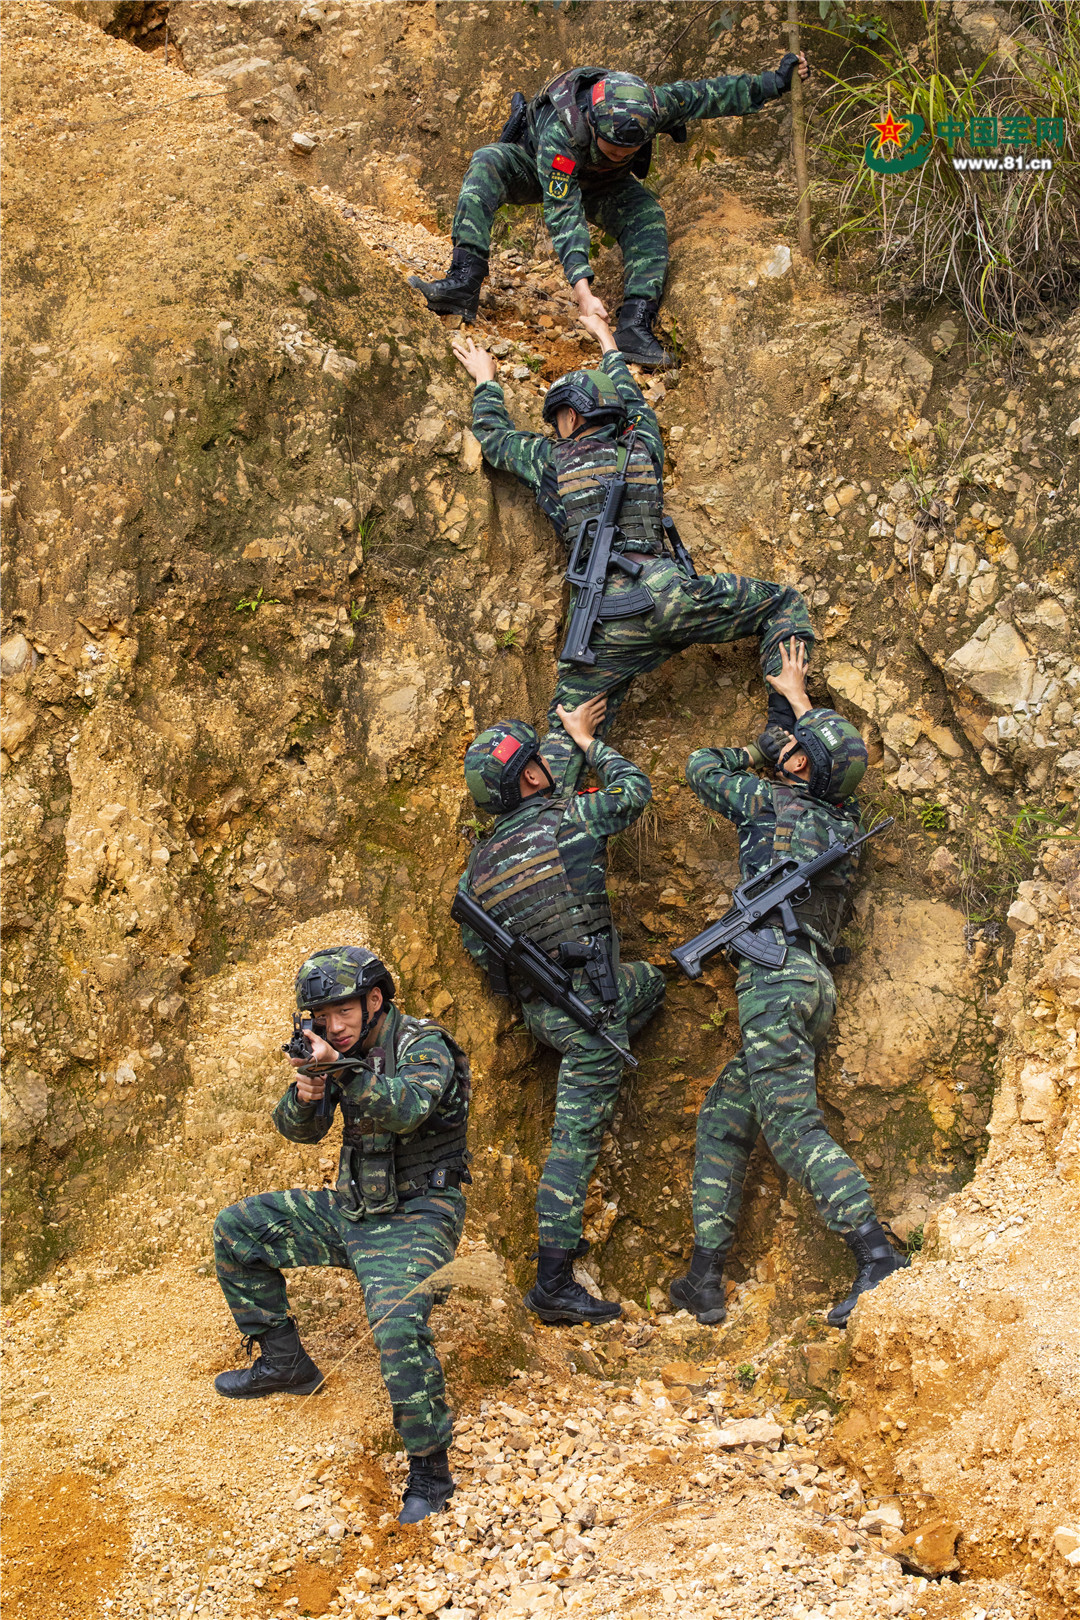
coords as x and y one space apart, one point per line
775 738
788 64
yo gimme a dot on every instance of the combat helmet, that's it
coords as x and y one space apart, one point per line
836 752
623 110
592 394
494 762
338 974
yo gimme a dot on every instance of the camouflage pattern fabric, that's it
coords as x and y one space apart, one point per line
389 1254
722 779
589 820
623 209
587 1092
714 608
686 612
590 1072
586 464
784 1016
577 183
531 456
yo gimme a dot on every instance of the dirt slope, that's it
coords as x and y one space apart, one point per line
259 592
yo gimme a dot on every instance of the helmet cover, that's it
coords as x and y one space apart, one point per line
593 395
837 754
338 974
623 110
494 762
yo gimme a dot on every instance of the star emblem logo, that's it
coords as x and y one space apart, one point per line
891 133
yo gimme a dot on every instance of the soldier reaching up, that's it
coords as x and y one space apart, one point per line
541 872
784 1012
582 148
647 620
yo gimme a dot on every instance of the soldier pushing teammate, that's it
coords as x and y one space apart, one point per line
581 148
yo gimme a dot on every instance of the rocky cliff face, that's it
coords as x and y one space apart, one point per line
260 592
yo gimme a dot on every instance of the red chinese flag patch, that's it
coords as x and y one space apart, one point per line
506 750
564 165
598 92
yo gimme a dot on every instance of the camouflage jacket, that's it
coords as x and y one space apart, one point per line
582 166
774 820
531 456
398 1103
589 819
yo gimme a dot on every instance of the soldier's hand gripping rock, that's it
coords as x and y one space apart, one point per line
540 873
582 151
394 1217
784 1011
647 619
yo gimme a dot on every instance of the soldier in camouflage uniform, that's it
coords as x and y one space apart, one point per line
393 1218
647 620
541 872
784 1012
582 149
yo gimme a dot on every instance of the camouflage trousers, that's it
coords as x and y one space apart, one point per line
588 1088
784 1016
686 612
624 209
389 1254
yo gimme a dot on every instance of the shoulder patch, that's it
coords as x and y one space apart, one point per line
565 165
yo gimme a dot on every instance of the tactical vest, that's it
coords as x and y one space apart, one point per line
377 1169
822 914
585 466
520 879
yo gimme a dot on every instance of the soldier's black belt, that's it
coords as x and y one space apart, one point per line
437 1181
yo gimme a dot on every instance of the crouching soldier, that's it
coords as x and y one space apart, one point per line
582 148
785 1011
394 1217
647 619
541 873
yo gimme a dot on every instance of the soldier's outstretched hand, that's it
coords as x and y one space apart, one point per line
477 362
581 723
791 678
600 330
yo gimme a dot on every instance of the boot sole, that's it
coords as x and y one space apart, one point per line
667 364
573 1318
261 1394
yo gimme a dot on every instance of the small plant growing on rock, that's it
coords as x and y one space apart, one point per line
934 817
252 604
746 1375
509 638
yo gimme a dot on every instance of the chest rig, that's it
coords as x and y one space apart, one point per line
585 466
797 833
520 879
378 1170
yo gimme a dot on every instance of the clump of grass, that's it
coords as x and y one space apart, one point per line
1008 247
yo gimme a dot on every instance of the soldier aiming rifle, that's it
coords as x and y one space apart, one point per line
394 1216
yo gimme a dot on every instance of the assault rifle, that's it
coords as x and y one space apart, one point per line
589 578
753 902
516 953
300 1046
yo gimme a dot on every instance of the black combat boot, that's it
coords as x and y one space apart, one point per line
459 291
875 1258
283 1363
557 1297
634 334
701 1291
429 1487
